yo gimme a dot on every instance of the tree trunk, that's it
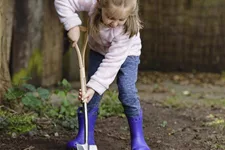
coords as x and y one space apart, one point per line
37 43
6 16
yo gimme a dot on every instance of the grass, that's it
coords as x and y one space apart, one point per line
179 101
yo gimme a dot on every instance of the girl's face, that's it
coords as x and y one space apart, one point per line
115 16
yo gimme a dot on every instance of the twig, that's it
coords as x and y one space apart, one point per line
29 148
11 110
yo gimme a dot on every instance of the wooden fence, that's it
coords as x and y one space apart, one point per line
183 35
37 43
179 35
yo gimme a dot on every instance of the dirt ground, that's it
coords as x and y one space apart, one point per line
181 112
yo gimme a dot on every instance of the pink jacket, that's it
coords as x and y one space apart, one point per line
112 42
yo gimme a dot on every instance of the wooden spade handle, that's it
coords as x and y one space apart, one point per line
81 61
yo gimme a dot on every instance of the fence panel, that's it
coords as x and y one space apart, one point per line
183 35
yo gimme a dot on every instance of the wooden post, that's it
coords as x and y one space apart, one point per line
37 43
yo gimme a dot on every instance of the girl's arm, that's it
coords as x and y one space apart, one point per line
67 11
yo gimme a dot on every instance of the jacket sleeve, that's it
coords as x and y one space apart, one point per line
67 11
111 64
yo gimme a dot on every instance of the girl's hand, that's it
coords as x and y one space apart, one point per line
74 35
88 95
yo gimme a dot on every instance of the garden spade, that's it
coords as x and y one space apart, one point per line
81 61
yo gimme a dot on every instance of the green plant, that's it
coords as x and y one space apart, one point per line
64 86
110 105
3 120
218 146
215 121
58 105
164 124
66 112
16 123
40 101
30 96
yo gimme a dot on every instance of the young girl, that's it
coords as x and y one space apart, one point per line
115 45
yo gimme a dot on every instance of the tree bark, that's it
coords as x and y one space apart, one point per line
6 15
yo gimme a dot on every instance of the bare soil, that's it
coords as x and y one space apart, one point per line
178 110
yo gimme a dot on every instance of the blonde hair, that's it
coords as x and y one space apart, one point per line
132 24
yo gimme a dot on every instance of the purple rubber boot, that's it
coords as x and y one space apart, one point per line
136 133
92 116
